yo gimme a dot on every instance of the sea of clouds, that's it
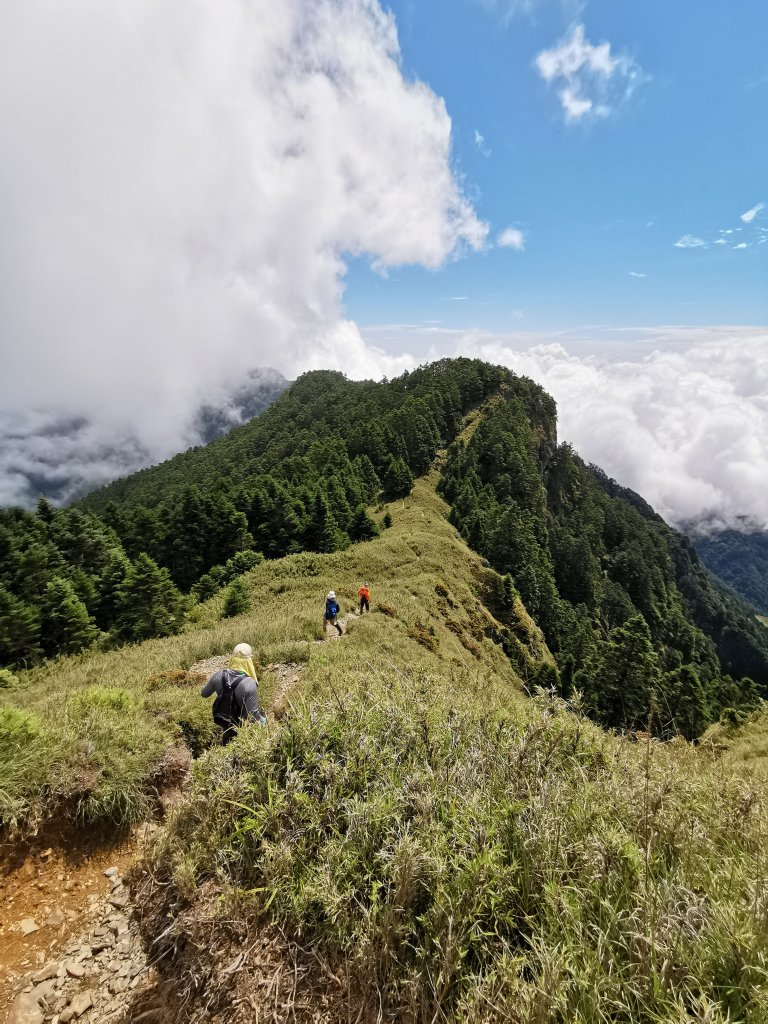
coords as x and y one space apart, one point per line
679 415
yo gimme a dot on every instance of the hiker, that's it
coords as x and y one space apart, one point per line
364 593
237 696
332 609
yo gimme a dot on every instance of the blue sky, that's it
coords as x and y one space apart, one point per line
598 199
182 185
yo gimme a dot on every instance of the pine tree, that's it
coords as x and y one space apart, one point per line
148 604
362 526
686 700
238 599
398 480
19 630
110 582
66 625
627 676
386 522
322 532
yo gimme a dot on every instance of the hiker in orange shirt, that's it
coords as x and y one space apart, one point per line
364 593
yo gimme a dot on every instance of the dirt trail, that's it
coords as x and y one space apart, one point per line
66 939
68 947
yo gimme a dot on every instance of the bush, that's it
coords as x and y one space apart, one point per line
8 680
238 600
17 730
102 698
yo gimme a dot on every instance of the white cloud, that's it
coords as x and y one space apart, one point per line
690 242
181 183
593 81
684 423
720 241
509 8
741 245
480 143
751 214
633 273
511 238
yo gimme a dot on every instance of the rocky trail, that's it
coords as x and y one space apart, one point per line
69 949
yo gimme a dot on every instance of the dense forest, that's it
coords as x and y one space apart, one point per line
740 559
637 625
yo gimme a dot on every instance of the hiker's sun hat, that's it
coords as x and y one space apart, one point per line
242 651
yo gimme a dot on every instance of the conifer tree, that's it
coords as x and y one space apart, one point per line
148 604
322 532
19 630
110 582
238 599
398 480
627 676
362 526
386 522
66 625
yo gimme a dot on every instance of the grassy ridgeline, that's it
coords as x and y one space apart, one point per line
457 853
89 734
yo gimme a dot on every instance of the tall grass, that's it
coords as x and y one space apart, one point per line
469 857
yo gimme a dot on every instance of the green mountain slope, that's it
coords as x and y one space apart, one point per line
420 842
635 622
90 733
417 838
739 559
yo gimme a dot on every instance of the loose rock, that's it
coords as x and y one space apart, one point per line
25 1010
29 925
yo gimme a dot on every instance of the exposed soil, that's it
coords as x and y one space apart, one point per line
57 895
65 942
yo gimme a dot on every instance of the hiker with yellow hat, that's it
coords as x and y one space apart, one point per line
237 694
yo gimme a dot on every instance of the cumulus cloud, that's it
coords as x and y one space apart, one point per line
634 273
690 242
511 238
180 187
480 143
593 81
685 423
741 245
750 215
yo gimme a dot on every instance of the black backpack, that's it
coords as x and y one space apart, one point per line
227 710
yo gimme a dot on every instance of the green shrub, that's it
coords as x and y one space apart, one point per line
238 599
102 698
8 680
17 730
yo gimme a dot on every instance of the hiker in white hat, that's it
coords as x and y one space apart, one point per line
332 609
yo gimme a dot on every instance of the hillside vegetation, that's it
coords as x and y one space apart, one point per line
627 609
432 832
740 559
421 841
90 735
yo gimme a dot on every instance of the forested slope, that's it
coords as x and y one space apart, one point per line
634 620
740 559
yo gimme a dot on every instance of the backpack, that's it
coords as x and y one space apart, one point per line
227 710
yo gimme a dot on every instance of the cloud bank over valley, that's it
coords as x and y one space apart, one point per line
682 418
181 185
